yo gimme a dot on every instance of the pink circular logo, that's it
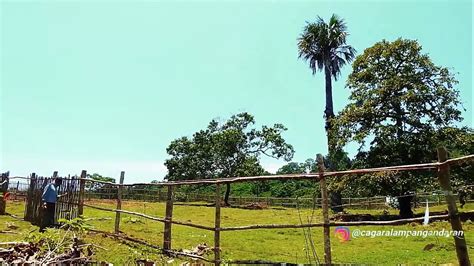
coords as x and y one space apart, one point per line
342 233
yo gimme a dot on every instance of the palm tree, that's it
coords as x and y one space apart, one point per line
323 46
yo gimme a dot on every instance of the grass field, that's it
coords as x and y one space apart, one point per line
279 245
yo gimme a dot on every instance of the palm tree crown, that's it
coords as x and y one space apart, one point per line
324 45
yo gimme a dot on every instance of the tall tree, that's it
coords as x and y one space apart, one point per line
226 149
323 46
399 97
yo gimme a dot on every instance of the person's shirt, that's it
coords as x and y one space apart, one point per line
50 194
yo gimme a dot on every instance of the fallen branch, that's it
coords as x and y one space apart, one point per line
152 218
98 219
13 243
8 232
71 260
139 241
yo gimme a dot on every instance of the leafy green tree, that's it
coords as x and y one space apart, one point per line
102 190
399 97
98 177
227 149
292 188
323 45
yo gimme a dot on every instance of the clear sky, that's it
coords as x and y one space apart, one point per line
106 85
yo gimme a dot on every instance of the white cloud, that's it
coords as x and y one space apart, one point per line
272 167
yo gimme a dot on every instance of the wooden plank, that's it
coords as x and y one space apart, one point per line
324 196
444 181
82 185
168 219
119 203
217 229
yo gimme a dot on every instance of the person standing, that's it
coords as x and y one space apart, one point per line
49 198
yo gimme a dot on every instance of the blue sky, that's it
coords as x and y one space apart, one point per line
106 85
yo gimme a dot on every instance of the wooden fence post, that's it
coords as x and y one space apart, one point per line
324 195
29 199
16 191
3 190
119 203
82 185
168 218
443 178
217 232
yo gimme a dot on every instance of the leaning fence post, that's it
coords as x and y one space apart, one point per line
324 195
119 203
168 218
3 190
82 185
443 178
217 232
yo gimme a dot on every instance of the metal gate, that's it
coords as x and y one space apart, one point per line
66 207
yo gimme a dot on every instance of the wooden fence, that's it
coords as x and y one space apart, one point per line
442 167
66 207
433 198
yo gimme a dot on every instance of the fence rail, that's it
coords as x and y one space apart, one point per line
434 198
442 167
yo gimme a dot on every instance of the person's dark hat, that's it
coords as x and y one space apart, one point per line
58 180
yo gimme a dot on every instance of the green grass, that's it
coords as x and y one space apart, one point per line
286 245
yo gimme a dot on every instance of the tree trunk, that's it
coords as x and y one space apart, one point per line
405 207
335 197
227 193
329 111
404 202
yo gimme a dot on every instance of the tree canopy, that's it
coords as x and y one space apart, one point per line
324 46
399 101
230 148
